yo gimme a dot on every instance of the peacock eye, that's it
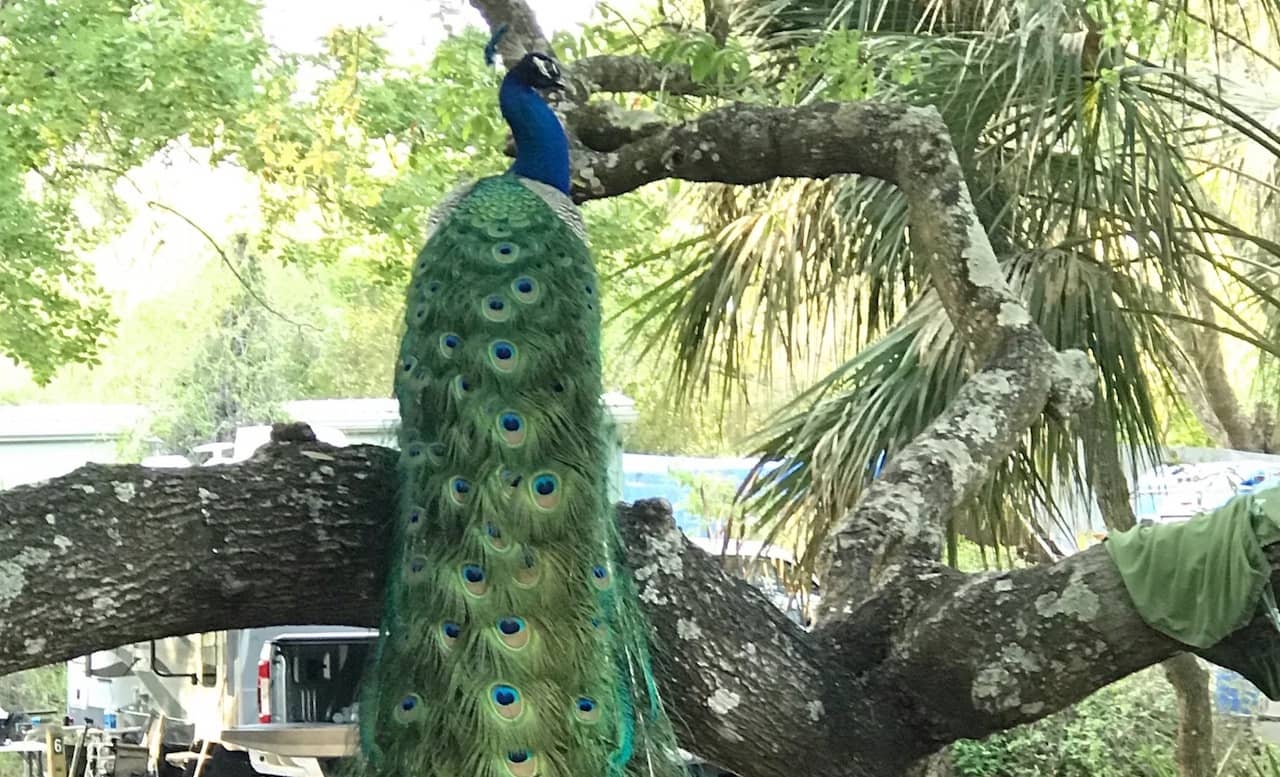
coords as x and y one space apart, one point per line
506 700
409 708
503 355
449 343
407 364
417 566
436 452
461 386
459 490
511 429
494 537
473 579
600 576
586 709
494 308
527 573
526 289
506 252
546 490
513 632
433 287
451 630
521 763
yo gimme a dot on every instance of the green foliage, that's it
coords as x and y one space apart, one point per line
35 690
1124 730
39 689
1265 763
349 173
1127 729
88 93
725 66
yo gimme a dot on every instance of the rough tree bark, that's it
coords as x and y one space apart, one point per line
908 655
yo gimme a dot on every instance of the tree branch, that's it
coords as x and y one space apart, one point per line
899 524
989 652
129 554
523 32
608 73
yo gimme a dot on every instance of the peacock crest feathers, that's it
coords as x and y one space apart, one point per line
512 643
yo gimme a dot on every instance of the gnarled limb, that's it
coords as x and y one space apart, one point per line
903 515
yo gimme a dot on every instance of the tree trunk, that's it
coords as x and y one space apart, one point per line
1221 412
1190 683
1189 680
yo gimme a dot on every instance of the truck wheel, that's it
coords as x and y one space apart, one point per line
337 767
222 763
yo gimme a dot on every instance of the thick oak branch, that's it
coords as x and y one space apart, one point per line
295 536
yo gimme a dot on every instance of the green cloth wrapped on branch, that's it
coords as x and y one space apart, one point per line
1200 580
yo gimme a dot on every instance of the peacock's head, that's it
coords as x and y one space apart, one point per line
539 71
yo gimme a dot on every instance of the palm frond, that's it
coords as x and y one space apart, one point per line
817 456
796 269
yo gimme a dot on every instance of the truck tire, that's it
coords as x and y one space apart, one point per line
337 767
222 763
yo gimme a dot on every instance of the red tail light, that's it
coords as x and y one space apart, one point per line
264 691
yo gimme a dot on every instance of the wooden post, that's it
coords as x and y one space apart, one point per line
55 753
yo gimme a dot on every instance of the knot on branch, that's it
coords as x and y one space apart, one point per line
1073 384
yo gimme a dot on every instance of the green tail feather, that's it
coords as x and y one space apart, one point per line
513 644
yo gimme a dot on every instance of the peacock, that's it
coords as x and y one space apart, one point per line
512 641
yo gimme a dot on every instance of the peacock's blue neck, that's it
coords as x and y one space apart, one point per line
542 150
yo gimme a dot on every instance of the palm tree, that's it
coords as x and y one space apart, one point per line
1124 162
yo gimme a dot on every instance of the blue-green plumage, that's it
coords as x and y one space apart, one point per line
513 644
